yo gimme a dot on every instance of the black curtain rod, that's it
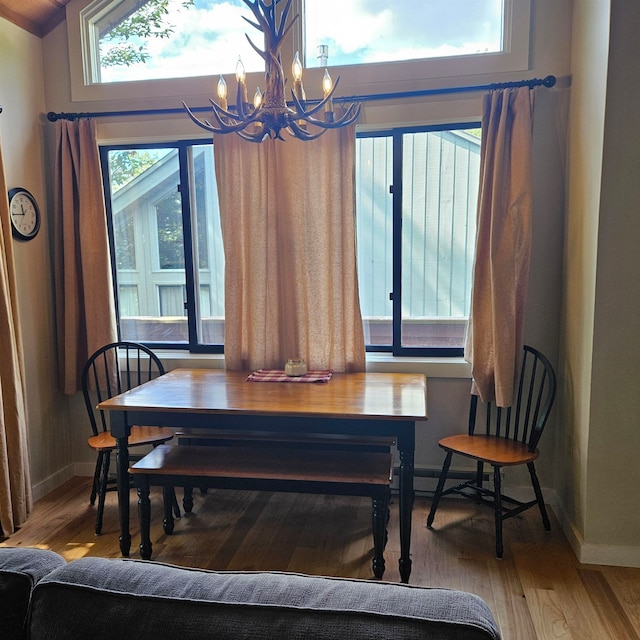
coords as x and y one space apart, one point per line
548 82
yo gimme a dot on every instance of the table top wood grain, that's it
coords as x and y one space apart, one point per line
393 396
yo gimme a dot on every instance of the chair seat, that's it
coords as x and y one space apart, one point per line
494 450
104 441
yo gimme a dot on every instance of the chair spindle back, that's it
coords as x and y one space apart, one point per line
114 369
525 419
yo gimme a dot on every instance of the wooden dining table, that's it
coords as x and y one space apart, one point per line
355 404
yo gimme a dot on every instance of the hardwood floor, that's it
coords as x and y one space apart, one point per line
537 592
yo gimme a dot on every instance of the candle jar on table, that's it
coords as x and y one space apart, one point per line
295 367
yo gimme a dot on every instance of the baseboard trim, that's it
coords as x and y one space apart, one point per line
42 488
598 554
84 469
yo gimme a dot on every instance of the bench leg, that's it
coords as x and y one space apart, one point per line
380 518
144 515
187 501
168 501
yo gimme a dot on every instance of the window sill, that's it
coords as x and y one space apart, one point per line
380 362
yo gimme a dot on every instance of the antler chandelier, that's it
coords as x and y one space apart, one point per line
270 114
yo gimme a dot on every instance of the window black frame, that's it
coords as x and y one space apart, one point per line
396 190
397 134
182 146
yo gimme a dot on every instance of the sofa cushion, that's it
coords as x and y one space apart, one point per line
112 598
20 569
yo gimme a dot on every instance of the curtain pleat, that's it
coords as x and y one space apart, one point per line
503 245
84 292
288 227
15 470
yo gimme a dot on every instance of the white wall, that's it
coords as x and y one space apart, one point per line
21 128
614 436
589 71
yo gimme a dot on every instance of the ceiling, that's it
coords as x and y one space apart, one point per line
36 16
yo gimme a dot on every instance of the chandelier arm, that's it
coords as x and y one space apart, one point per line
238 123
265 16
223 128
202 124
297 103
283 29
303 134
342 122
260 52
252 23
253 137
350 115
242 114
236 127
288 28
283 15
219 113
305 113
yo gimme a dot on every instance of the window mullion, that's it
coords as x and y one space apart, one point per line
397 241
106 182
187 193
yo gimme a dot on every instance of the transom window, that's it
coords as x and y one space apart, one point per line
369 32
416 194
156 39
172 39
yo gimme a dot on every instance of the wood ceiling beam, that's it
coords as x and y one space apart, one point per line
35 16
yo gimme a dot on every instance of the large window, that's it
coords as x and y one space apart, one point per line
135 46
416 203
166 244
416 193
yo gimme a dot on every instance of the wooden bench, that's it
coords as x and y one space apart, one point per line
328 441
303 470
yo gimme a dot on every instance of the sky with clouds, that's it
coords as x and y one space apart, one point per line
209 37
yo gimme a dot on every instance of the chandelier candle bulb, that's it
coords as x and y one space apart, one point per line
296 70
222 93
327 86
257 101
242 86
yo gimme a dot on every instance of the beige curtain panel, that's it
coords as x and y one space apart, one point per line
503 245
288 226
84 290
15 472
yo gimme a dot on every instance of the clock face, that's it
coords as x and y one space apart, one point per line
25 216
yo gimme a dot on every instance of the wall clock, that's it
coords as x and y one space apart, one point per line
25 214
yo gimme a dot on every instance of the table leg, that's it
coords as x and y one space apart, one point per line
122 477
406 509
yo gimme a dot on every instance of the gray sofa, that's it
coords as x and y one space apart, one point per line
42 596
